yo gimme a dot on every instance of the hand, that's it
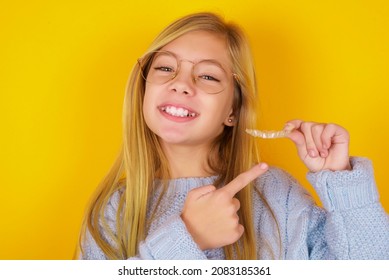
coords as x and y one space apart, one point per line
321 146
210 214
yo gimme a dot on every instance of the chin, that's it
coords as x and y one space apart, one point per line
174 141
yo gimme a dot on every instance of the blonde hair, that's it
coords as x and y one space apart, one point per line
142 157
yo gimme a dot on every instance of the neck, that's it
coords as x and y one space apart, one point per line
185 161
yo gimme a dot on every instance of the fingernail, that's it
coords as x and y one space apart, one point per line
263 166
288 127
312 153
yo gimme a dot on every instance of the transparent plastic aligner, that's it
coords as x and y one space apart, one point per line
271 134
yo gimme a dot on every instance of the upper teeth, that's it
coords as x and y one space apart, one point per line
177 112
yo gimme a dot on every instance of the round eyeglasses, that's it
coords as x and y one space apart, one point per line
159 67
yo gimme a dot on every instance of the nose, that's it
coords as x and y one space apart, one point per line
183 81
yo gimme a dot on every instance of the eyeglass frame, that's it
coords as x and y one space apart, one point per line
149 57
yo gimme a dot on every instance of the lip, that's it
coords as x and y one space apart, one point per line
177 118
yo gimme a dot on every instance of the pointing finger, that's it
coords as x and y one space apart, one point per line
245 178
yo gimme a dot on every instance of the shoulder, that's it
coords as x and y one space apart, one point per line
112 206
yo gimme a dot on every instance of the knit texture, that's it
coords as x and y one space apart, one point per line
352 224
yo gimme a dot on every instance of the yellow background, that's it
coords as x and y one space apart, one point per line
64 66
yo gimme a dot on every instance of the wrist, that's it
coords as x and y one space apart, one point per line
192 232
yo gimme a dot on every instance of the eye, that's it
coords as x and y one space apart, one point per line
208 78
164 69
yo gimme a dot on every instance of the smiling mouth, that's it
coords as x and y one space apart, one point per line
178 112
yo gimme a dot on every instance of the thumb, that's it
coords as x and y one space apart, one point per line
201 191
295 135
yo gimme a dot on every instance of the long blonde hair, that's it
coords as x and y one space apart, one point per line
142 157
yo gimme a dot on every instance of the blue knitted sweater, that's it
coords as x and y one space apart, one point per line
351 225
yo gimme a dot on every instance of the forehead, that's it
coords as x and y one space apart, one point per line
200 45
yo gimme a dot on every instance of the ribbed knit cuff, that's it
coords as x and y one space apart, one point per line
347 189
172 241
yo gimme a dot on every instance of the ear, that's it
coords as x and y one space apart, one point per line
230 120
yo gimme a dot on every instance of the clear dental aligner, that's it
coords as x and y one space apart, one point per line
271 134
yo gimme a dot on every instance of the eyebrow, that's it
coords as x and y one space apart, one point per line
201 60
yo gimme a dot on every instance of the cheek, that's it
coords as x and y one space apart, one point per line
147 106
152 92
224 106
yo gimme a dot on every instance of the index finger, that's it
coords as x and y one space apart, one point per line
243 179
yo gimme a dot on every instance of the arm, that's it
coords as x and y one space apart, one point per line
354 225
170 240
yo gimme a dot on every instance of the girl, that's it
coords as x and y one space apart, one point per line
184 185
